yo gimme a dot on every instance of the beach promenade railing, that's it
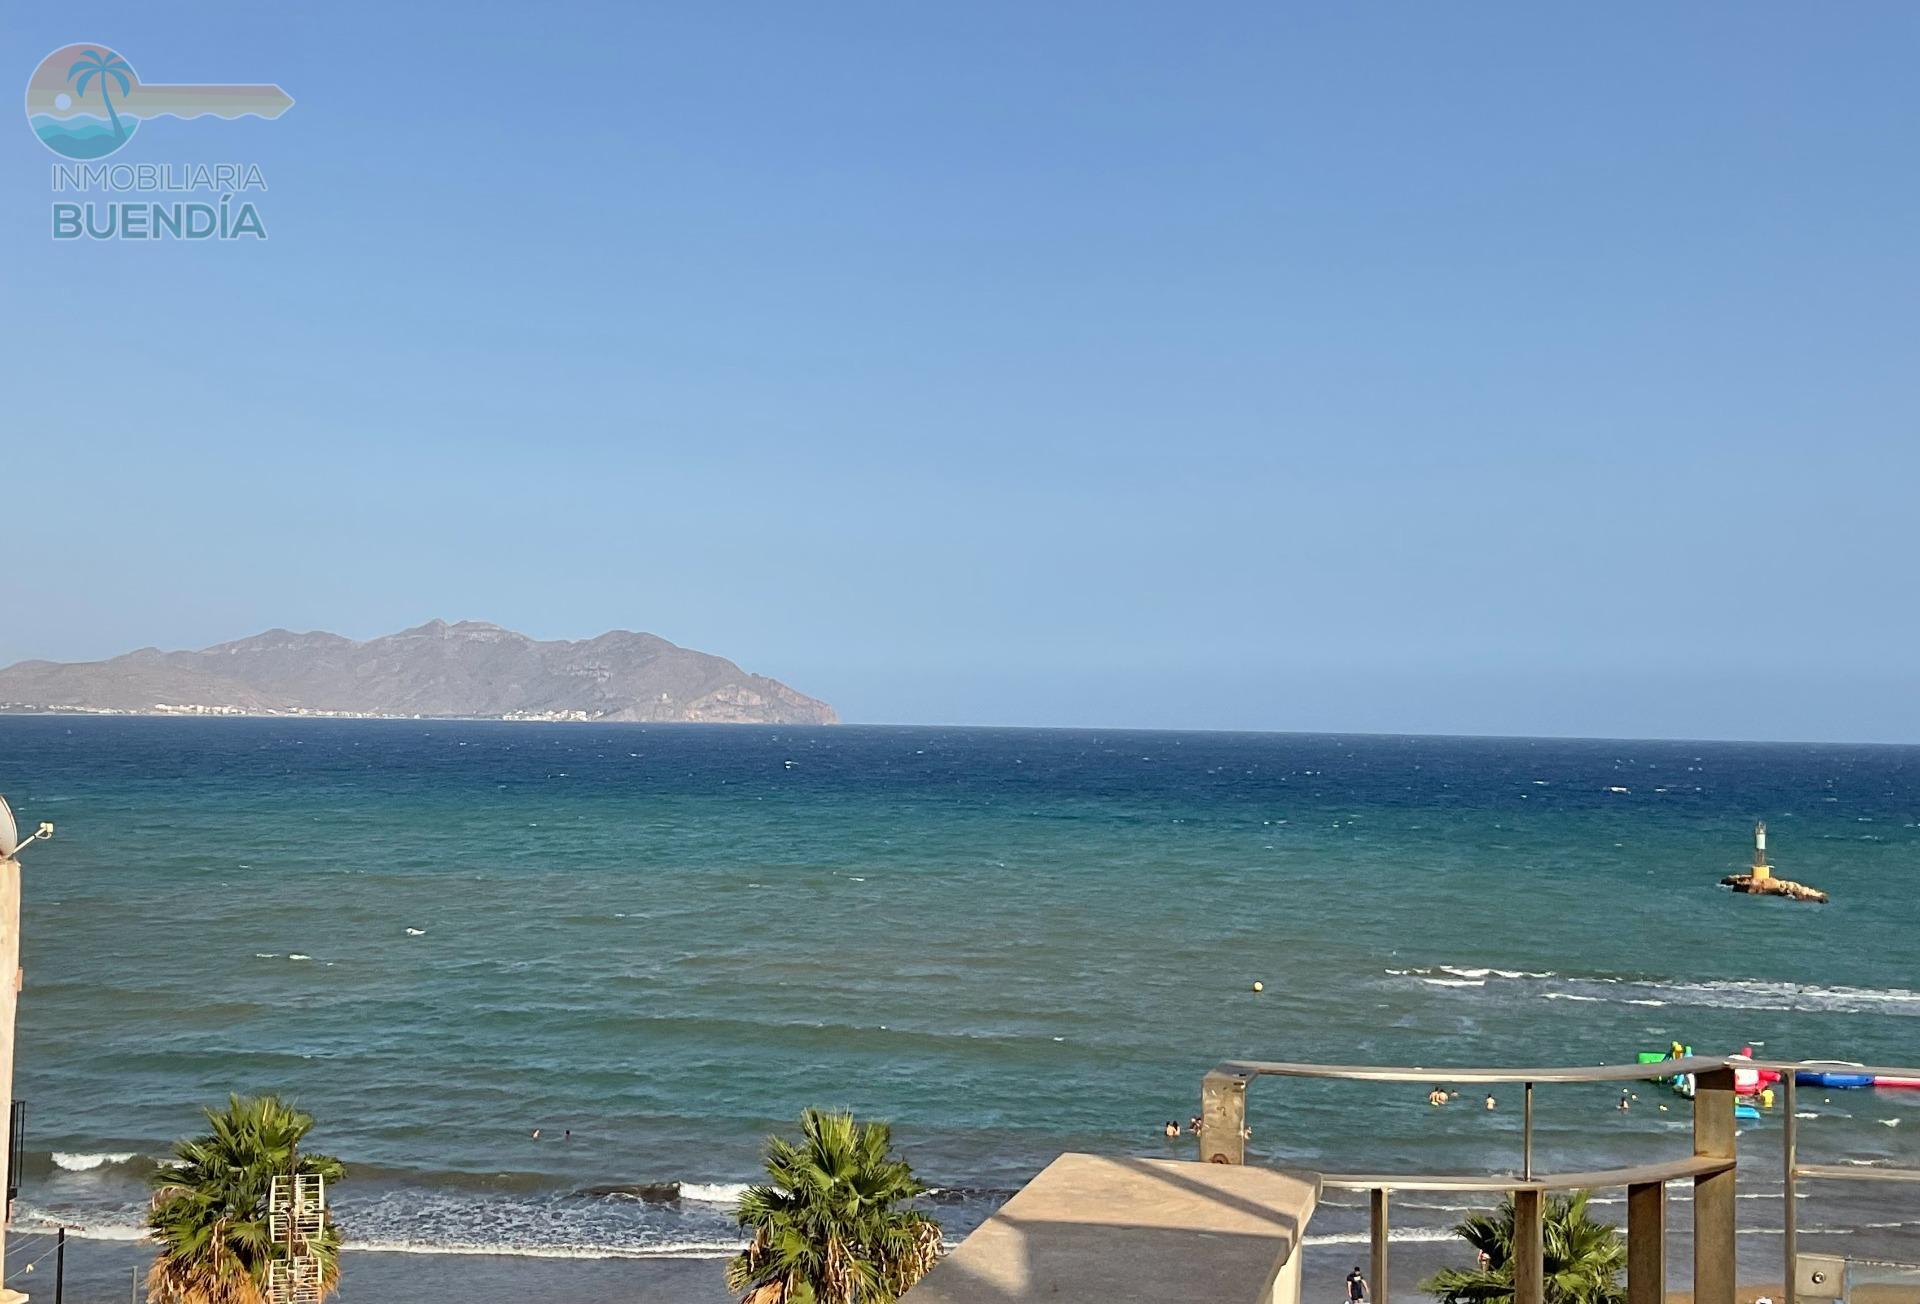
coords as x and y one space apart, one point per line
1712 1168
1800 1276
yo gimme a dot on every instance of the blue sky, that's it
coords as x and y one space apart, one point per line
1496 368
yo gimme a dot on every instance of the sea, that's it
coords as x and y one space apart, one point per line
547 989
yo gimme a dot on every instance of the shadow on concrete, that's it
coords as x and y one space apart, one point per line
1101 1229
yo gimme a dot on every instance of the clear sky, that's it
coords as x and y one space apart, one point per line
1498 368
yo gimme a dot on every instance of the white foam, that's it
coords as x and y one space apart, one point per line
666 1250
1421 1234
101 1233
1755 994
1455 982
713 1192
84 1163
1729 993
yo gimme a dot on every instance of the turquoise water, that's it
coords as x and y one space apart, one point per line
83 136
667 940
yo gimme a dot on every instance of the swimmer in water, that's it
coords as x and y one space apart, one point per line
1172 1129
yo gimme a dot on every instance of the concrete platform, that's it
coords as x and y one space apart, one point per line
1093 1230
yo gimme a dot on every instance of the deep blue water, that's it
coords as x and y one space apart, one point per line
668 939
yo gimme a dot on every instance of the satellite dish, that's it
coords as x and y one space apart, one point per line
9 831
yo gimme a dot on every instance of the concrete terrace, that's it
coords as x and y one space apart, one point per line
1090 1229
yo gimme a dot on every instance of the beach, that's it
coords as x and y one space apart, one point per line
100 1272
656 944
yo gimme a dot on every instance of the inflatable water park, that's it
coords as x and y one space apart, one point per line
1754 1086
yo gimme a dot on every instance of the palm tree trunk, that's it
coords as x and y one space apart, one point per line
119 132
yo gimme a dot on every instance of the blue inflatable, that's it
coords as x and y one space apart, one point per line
1832 1080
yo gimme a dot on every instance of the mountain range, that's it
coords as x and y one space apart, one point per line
461 670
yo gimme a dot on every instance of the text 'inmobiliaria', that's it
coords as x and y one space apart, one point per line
198 201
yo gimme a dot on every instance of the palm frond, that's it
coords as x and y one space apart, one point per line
209 1210
829 1226
1582 1258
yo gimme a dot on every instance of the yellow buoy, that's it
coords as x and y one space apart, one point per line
1259 987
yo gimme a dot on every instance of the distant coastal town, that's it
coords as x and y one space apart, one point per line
293 712
467 670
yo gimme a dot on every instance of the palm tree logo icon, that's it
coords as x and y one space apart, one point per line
108 67
85 102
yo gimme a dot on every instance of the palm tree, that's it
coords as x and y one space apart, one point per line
1583 1257
828 1228
109 65
210 1205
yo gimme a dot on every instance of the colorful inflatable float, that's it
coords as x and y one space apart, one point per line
1753 1084
1835 1075
1839 1076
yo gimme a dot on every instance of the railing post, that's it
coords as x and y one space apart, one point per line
1526 1136
1380 1293
1223 1118
1790 1144
1647 1243
1714 1270
1529 1250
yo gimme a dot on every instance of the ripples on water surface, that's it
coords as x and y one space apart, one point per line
667 940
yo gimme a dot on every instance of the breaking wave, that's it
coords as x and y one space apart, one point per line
86 1163
1728 993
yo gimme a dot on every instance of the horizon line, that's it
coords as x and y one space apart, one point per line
905 724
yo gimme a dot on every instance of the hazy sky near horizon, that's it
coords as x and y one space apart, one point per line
1401 367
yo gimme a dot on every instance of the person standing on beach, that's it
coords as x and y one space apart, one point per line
1356 1286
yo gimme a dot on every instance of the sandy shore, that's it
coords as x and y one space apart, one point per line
1874 1293
100 1272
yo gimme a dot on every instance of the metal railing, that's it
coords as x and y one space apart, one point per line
1794 1172
1711 1167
